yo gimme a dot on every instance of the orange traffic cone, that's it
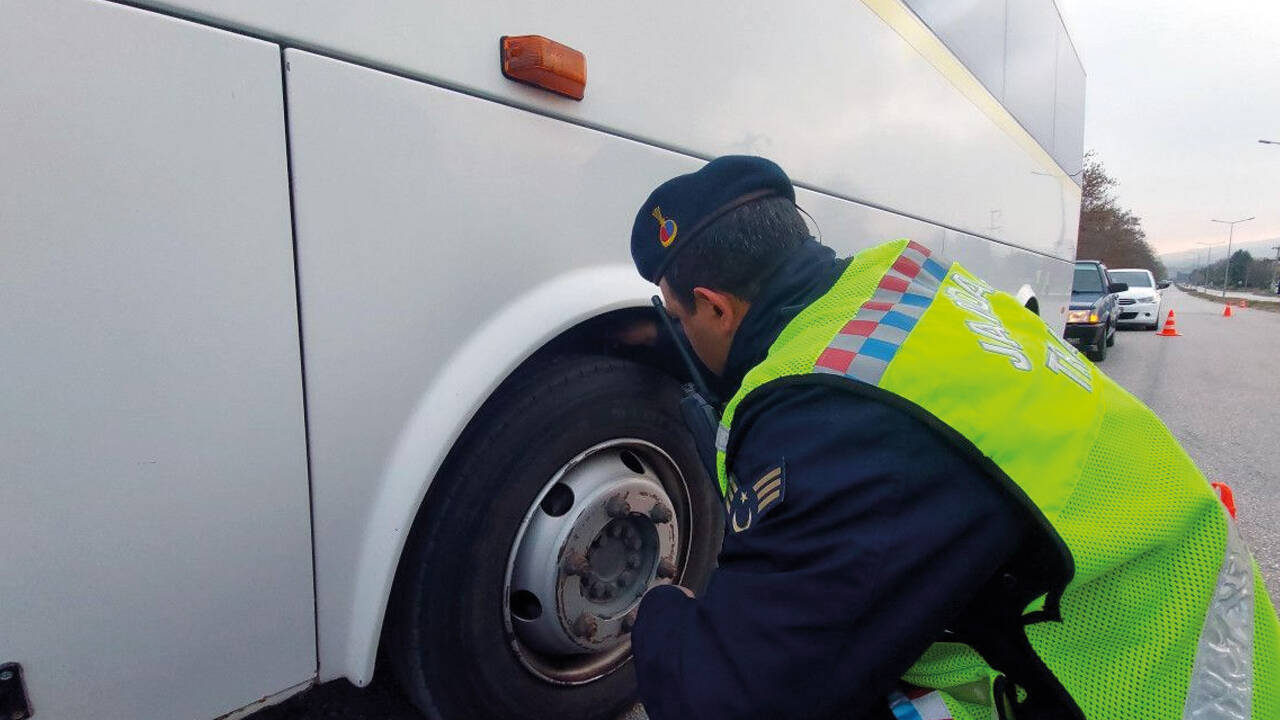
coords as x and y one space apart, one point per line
1226 311
1170 328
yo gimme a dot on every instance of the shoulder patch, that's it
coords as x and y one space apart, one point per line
745 504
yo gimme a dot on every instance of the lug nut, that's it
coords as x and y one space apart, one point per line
626 578
585 626
575 563
608 592
617 507
666 569
660 514
629 621
633 560
597 590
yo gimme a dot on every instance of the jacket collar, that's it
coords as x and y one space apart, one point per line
804 276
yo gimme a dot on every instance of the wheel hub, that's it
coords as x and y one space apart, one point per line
601 534
620 557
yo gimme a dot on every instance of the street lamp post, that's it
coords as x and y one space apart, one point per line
1226 279
1275 274
1208 260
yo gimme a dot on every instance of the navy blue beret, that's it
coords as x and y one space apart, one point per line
683 206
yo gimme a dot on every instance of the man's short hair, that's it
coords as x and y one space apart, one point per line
738 251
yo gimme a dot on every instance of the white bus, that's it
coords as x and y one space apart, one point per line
309 318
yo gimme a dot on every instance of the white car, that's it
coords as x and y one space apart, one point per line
1140 304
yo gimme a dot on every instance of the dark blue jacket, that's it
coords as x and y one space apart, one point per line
882 537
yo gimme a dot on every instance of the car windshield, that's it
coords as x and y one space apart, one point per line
1133 278
1088 279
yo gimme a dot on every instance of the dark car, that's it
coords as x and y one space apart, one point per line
1091 321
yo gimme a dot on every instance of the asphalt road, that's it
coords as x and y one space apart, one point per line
1217 388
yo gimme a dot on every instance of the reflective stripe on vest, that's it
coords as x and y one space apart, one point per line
1222 681
867 343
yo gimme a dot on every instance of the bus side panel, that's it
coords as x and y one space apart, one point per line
424 218
840 96
849 227
153 486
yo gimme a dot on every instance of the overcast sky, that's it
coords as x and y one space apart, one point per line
1179 93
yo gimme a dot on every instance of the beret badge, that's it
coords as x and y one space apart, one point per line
666 228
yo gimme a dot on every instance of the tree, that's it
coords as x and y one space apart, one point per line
1240 262
1261 274
1109 232
1246 271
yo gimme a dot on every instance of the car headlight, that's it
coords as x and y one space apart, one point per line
1082 316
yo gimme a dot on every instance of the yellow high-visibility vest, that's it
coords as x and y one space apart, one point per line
1163 613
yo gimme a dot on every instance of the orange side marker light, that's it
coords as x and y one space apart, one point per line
544 63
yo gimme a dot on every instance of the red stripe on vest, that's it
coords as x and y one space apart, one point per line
894 284
906 266
859 327
833 359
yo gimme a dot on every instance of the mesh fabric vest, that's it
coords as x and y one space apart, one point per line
1166 615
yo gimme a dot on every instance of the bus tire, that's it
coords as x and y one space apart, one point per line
463 640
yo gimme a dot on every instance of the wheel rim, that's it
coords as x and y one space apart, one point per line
599 534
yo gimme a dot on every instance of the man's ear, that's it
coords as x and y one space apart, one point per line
727 309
